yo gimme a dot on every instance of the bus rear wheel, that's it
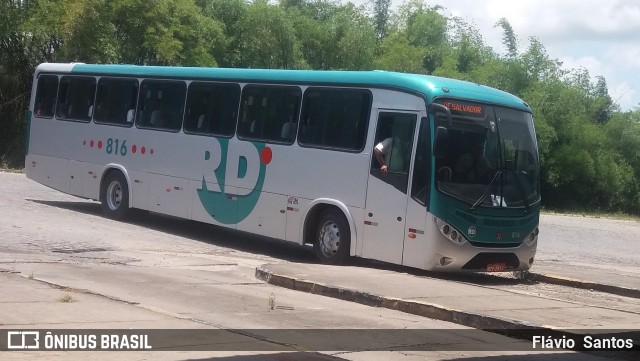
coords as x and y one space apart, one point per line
332 238
114 196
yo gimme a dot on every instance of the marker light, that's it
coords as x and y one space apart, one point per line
533 236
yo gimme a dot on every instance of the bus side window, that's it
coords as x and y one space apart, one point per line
392 150
161 104
335 118
76 98
211 108
46 96
265 112
421 165
116 101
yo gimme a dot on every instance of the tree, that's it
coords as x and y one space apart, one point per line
602 102
398 55
20 51
381 18
166 32
509 39
228 13
268 39
334 35
424 28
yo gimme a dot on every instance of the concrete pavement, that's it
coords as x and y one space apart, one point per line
29 304
466 304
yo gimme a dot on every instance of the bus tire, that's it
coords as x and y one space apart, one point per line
332 238
114 195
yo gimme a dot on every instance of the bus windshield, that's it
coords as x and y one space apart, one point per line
490 158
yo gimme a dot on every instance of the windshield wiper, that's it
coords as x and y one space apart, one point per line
486 191
499 172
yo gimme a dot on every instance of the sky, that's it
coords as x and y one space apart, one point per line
600 36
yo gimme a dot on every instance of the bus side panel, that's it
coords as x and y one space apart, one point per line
297 209
267 218
212 206
76 178
418 251
312 173
92 177
50 171
169 195
139 190
358 215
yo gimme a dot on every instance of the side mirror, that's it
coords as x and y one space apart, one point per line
435 107
440 142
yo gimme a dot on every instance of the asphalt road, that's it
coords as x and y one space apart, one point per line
595 249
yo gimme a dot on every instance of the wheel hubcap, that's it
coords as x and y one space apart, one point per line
114 195
329 239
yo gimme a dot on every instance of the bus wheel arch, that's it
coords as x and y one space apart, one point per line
329 228
115 193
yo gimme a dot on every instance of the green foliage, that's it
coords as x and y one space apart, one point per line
589 149
334 36
509 39
381 17
399 55
268 39
165 32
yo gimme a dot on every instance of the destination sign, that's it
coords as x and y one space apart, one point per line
463 108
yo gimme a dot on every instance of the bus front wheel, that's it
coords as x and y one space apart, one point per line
114 195
332 238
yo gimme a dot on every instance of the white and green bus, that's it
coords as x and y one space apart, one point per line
415 170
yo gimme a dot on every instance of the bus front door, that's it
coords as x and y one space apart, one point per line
386 205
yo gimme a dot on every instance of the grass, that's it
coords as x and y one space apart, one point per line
67 298
272 301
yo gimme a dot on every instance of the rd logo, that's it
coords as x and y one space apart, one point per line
239 178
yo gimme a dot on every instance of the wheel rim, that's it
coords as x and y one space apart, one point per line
329 239
114 195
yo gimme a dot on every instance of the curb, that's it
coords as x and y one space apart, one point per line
570 282
506 327
418 308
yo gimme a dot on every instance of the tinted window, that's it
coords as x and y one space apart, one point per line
269 113
46 95
421 165
161 104
75 98
392 151
116 101
335 118
212 108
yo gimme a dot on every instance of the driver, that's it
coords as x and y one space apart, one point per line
473 166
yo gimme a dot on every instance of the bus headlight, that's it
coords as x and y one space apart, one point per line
532 237
449 232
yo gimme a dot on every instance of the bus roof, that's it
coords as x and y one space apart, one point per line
430 86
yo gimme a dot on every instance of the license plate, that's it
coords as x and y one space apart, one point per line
496 267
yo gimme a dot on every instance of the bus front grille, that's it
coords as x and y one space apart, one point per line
495 245
481 260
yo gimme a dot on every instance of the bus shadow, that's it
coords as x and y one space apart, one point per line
266 246
476 278
199 232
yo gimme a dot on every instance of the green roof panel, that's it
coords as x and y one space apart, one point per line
429 86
